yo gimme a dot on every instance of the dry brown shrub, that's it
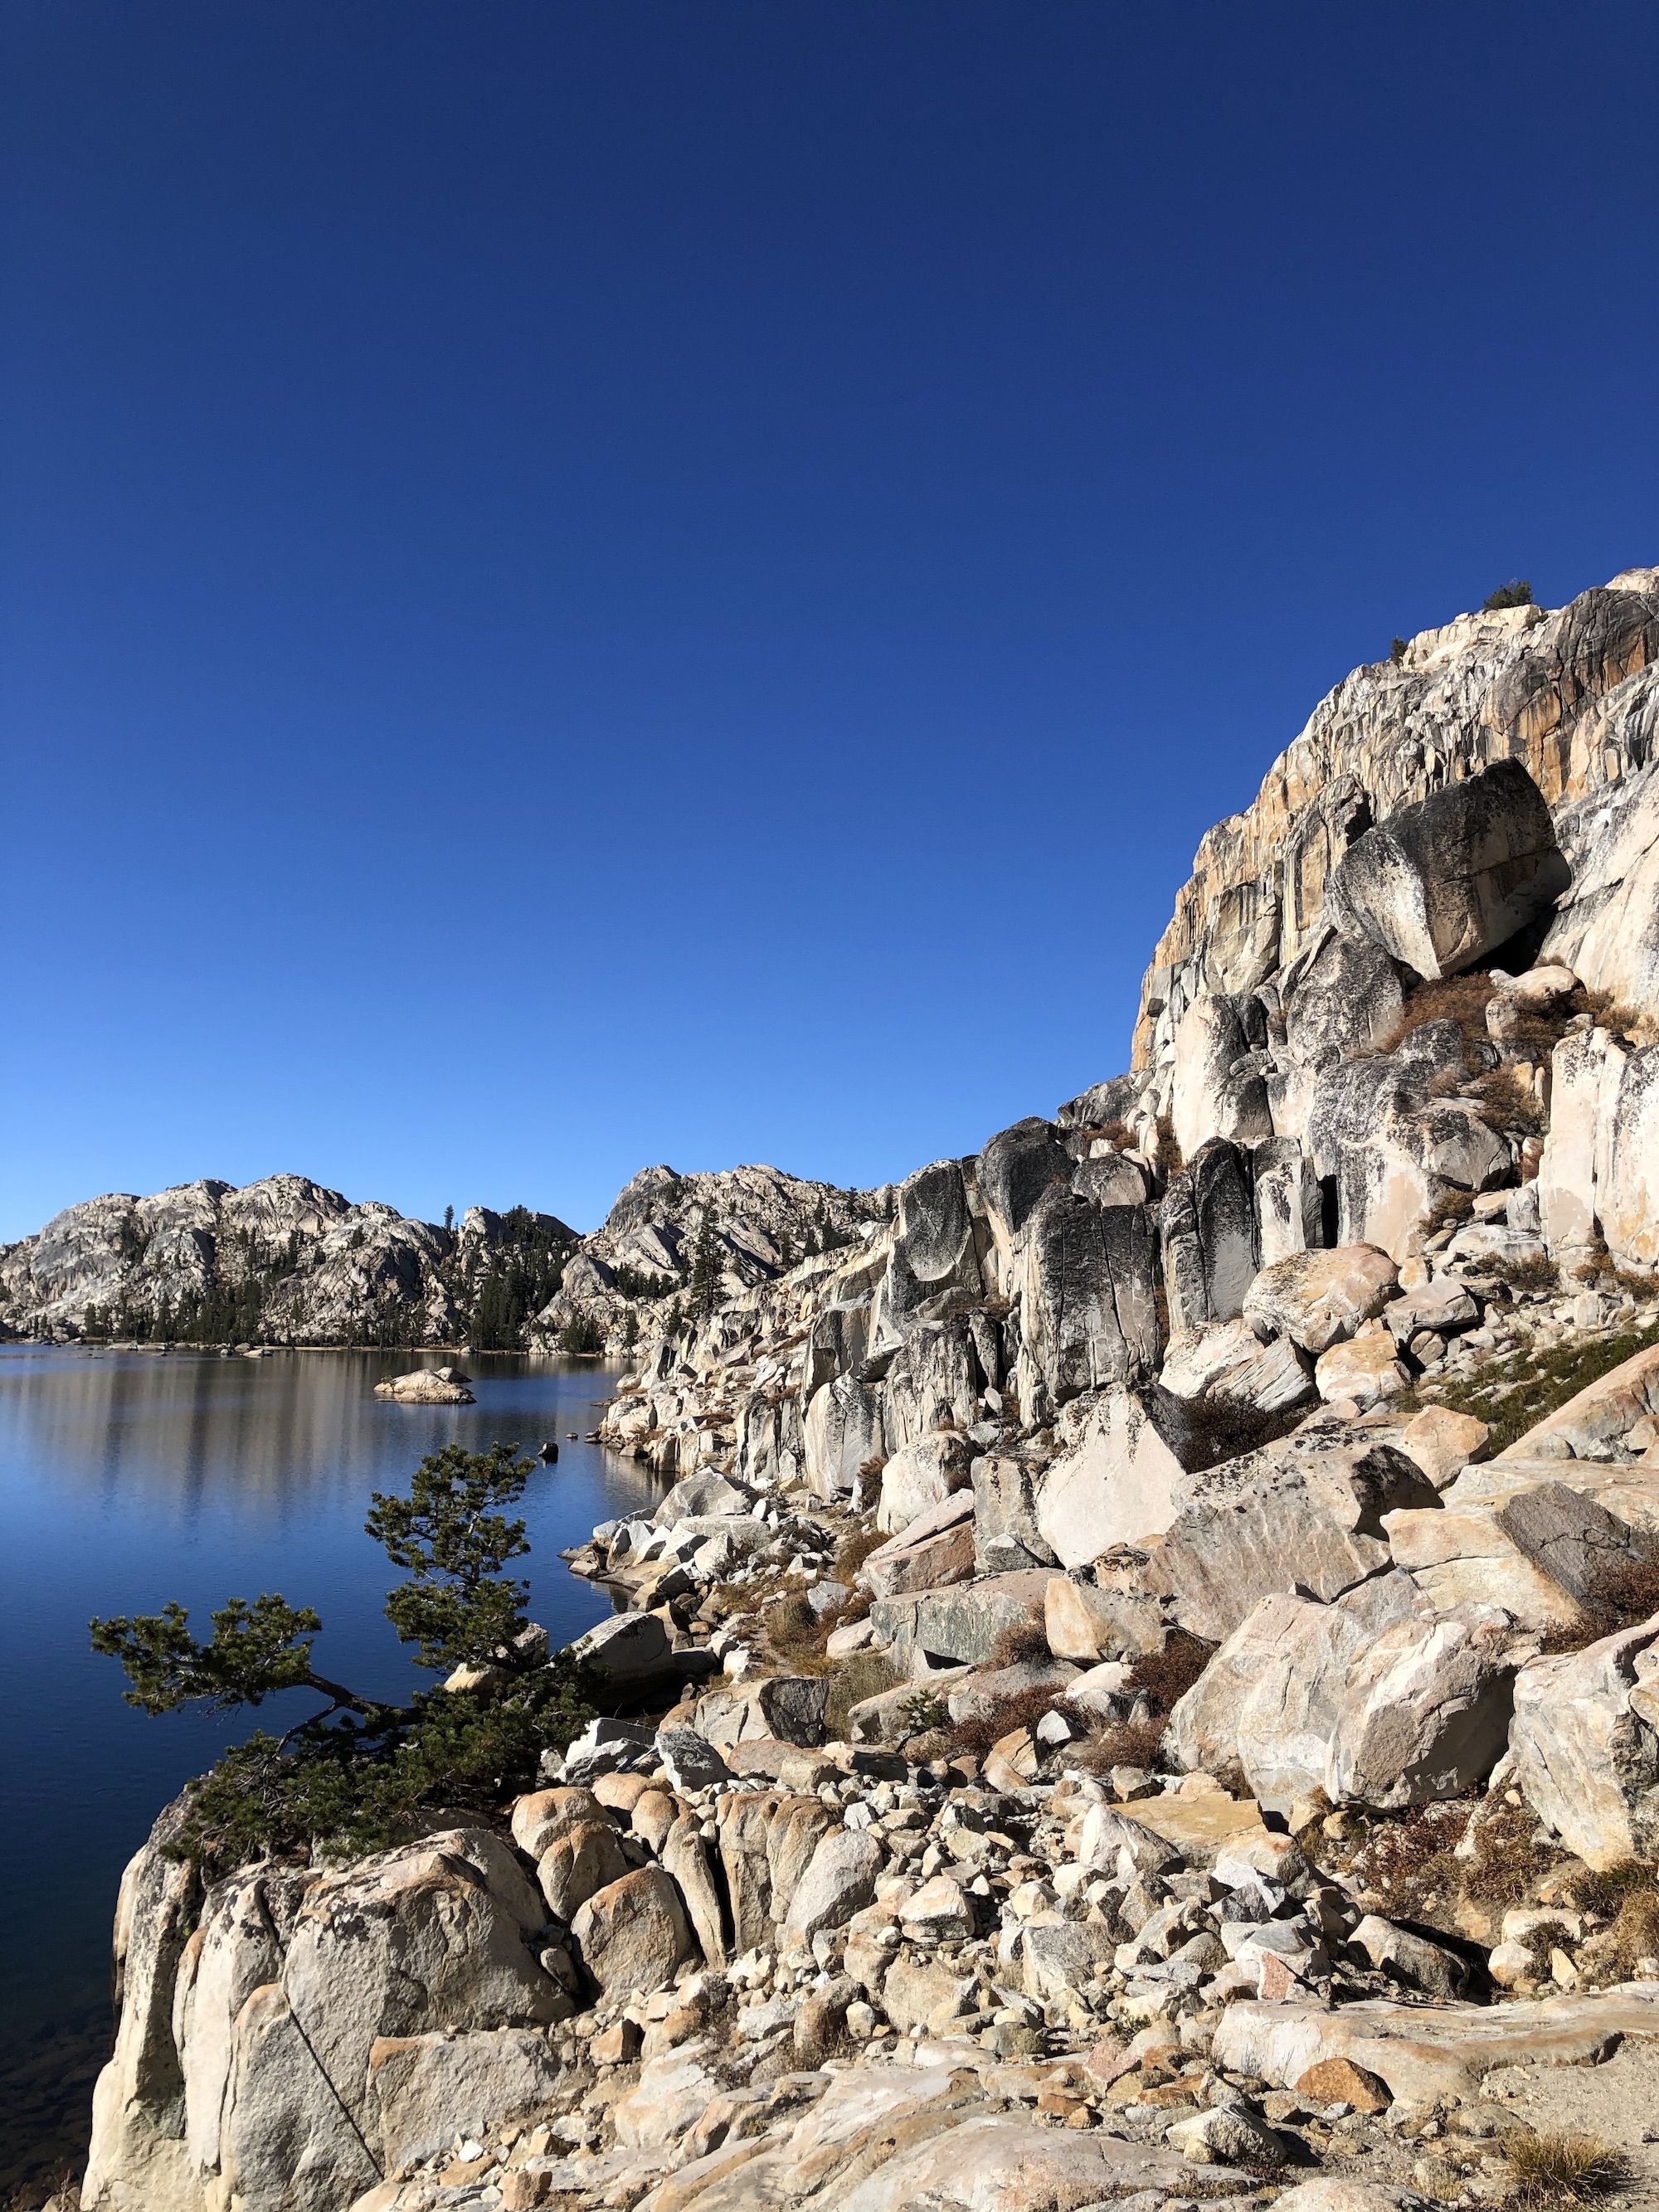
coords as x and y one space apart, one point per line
1636 1931
1099 1746
1450 1210
1459 999
1625 1022
854 1549
1626 1594
975 1735
1020 1641
1509 1103
1508 1856
1162 1677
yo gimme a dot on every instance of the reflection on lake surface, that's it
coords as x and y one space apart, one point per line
127 1479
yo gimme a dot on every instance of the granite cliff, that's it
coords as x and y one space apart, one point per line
1145 1683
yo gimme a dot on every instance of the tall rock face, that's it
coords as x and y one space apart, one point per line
1568 697
278 1261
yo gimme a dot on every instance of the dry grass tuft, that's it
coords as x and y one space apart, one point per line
1509 1104
854 1549
979 1731
1566 2169
865 1674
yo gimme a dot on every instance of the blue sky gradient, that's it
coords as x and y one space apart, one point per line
596 583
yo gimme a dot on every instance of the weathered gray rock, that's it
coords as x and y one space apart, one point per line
961 1623
1208 1235
1343 997
1306 1512
1006 1533
426 2090
1219 1086
629 1652
1088 1278
935 1252
1016 1170
1585 1738
1412 1960
1443 882
1114 1480
839 1880
921 1475
845 1430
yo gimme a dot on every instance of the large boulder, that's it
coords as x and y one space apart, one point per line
1306 1512
961 1623
585 1858
1343 997
1389 1145
1088 1276
845 1430
1369 1699
935 1550
1114 1480
424 2091
840 1880
633 1936
1541 1548
935 1251
629 1652
1585 1738
921 1475
1442 883
1015 1169
1318 1299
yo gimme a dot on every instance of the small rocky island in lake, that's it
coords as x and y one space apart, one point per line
427 1386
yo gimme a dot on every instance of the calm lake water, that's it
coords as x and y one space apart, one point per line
127 1479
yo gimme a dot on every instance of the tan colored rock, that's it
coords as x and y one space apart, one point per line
931 1552
654 1813
687 1857
583 1859
1363 1372
1339 2081
1443 1442
633 1936
1084 1621
544 1815
1424 2052
1319 1298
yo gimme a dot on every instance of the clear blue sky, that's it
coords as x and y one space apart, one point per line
593 583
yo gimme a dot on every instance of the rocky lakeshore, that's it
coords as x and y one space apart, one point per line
1144 1686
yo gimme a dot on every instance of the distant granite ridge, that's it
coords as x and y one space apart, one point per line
285 1260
